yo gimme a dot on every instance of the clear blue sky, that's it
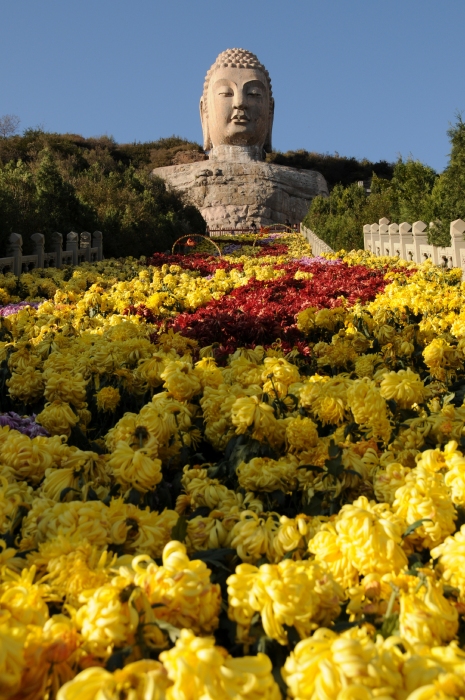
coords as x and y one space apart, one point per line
368 78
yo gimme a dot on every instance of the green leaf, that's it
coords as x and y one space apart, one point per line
278 496
311 467
179 531
418 523
293 636
214 558
350 427
65 491
214 554
117 659
390 625
280 681
315 507
335 466
333 450
133 497
288 555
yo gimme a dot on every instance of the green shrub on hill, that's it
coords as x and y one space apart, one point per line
414 193
64 182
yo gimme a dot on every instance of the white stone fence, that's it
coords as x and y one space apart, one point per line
318 246
410 242
78 250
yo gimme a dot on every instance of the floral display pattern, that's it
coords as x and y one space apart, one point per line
233 477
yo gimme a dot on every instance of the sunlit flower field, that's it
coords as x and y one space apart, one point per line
235 477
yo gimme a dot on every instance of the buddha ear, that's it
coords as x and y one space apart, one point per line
267 145
207 144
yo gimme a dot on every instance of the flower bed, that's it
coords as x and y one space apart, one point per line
235 477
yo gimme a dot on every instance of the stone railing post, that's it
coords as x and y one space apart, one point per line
384 236
374 228
420 237
16 250
98 243
406 237
457 229
72 244
394 240
367 238
57 239
39 247
85 244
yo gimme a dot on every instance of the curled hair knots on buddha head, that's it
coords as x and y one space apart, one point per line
235 58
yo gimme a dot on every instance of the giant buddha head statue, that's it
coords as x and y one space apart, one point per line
236 108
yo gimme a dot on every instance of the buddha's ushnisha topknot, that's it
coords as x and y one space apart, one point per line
236 58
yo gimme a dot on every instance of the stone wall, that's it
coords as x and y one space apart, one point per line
79 249
410 242
318 246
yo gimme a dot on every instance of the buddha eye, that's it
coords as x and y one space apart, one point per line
226 93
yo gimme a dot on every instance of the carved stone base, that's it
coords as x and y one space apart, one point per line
234 194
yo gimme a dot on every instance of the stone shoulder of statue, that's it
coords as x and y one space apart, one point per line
236 111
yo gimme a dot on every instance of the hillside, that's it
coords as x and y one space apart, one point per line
335 168
62 182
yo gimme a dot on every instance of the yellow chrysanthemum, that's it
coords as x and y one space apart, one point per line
180 380
292 593
136 467
424 497
140 680
404 386
365 537
180 591
249 411
58 418
265 474
199 669
108 399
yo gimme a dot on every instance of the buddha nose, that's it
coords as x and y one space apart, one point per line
240 101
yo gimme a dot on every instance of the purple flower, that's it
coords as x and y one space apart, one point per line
24 424
306 260
231 248
10 309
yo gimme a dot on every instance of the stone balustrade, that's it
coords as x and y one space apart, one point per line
78 249
410 242
318 246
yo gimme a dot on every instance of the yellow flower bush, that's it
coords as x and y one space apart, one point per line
199 669
180 591
265 474
297 594
160 482
141 680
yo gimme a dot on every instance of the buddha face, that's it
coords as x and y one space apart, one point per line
238 107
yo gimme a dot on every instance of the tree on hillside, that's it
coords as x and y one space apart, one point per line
17 195
57 205
9 125
448 195
411 187
65 182
339 218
